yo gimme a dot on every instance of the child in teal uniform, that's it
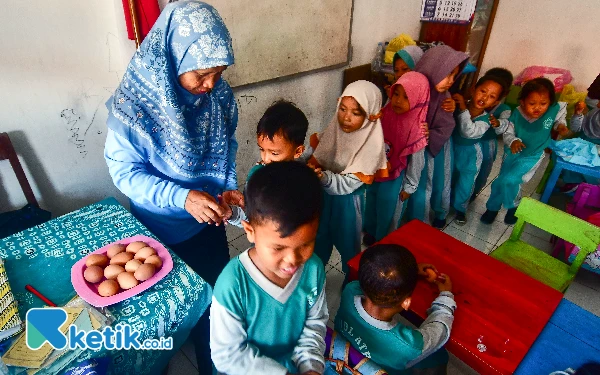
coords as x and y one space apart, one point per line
525 140
489 141
402 120
473 122
268 311
440 65
367 316
347 155
280 135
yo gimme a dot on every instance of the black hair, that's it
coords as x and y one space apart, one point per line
287 193
387 274
539 85
503 74
283 116
496 79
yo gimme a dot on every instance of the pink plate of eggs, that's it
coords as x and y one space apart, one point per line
120 270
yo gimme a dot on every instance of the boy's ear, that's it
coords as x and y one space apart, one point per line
406 303
299 151
249 231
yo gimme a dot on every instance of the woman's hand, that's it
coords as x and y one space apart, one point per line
449 105
204 208
458 100
234 198
517 146
425 130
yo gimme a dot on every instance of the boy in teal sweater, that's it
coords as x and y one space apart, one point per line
268 311
367 317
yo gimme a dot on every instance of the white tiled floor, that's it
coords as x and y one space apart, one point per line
584 291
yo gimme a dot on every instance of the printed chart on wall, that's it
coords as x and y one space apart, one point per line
448 11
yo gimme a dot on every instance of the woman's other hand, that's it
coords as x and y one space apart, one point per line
234 198
204 208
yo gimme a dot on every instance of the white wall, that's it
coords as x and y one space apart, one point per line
71 57
556 33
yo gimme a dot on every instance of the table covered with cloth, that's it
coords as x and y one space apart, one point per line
42 256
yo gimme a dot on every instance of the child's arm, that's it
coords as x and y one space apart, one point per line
510 136
230 351
436 328
560 122
339 184
471 129
416 163
309 352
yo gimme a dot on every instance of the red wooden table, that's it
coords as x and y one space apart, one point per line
500 311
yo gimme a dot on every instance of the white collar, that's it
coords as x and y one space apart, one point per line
278 293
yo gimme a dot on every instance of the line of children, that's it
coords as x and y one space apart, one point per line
527 136
401 121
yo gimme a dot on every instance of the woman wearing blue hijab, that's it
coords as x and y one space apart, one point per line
171 142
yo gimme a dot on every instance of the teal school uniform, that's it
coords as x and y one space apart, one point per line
394 345
384 208
258 327
518 169
434 189
489 148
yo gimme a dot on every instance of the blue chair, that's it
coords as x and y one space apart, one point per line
559 165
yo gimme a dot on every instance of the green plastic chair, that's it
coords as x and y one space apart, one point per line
536 263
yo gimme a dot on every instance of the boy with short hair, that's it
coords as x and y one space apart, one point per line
280 134
367 315
268 312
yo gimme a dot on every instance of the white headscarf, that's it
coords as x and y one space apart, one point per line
361 151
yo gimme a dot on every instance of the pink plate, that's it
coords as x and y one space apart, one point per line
89 291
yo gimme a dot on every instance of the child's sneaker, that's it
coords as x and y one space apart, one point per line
368 240
460 218
489 216
510 217
439 223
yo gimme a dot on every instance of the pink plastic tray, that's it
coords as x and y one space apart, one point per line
89 291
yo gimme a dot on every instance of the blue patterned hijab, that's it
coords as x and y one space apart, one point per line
150 108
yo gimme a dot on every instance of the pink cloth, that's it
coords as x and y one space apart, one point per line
402 133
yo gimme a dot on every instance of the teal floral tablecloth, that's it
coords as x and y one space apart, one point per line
43 256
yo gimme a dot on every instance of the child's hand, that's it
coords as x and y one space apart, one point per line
562 130
494 121
459 100
387 90
319 172
425 130
449 105
234 197
423 267
404 195
579 107
445 285
517 146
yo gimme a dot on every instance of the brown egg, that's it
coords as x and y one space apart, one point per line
108 288
93 274
135 246
144 272
144 253
115 249
127 280
112 271
132 265
121 259
96 260
155 260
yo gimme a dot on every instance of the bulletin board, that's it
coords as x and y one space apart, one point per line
274 38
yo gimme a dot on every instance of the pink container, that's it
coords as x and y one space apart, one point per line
89 291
